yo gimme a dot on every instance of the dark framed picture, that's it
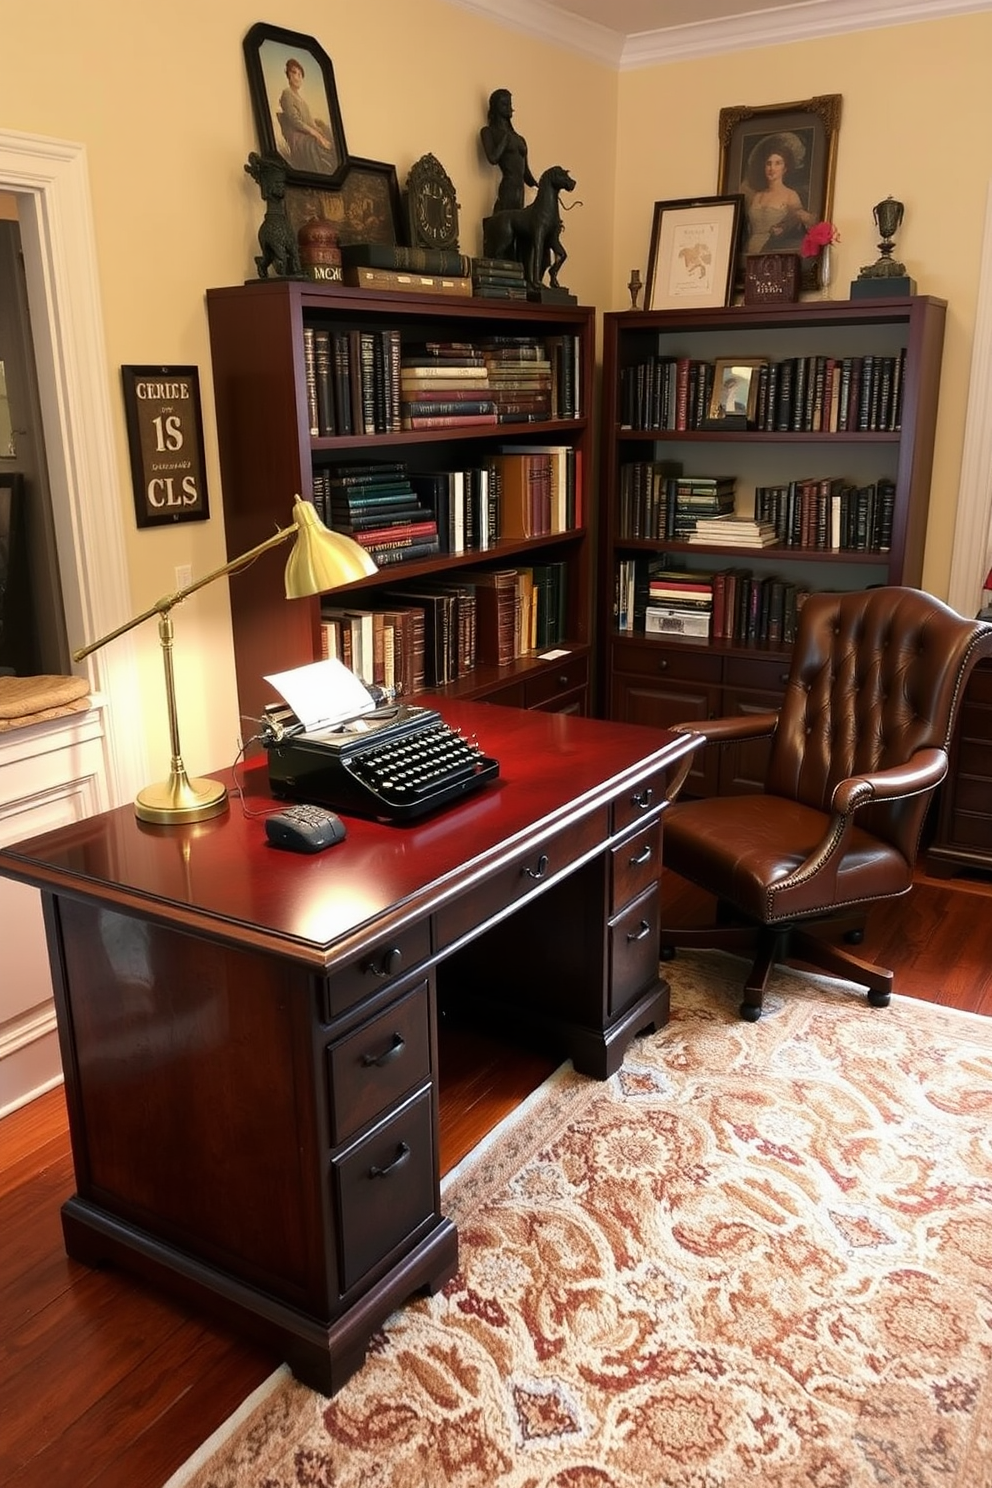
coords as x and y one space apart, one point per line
295 103
782 158
735 387
692 259
165 441
365 208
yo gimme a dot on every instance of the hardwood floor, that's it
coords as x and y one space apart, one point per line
104 1382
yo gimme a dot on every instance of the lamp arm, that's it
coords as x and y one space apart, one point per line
165 604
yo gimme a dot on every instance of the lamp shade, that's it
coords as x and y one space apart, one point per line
321 559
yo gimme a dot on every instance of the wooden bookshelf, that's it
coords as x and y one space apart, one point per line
268 455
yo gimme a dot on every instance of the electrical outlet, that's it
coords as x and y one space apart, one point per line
184 575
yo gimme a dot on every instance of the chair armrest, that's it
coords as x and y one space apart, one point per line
726 730
925 770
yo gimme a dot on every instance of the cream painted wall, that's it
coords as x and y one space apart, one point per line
161 103
913 125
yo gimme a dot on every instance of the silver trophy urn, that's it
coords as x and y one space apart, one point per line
886 278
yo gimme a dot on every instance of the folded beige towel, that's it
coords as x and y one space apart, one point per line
26 700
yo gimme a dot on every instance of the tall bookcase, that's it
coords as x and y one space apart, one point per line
663 679
268 455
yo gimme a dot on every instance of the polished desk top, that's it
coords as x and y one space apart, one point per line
222 877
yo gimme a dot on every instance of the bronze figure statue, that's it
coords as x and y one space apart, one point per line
276 238
507 149
531 235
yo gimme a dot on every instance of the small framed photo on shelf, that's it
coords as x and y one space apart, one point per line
693 254
781 158
295 104
735 392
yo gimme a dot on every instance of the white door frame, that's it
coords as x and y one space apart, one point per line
971 557
50 180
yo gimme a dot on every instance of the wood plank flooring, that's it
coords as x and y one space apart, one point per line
104 1382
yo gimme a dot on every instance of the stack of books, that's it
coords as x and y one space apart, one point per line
498 279
391 267
679 602
377 506
734 531
689 497
520 376
445 384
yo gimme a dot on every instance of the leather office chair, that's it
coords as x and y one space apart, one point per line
859 747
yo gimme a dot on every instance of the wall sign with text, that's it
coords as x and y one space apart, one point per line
165 437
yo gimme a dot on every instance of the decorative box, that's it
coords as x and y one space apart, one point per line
772 278
662 620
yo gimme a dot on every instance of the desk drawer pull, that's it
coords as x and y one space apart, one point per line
644 856
643 800
402 1153
643 929
541 869
395 1049
388 966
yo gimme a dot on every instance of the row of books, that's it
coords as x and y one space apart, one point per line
830 513
732 604
655 500
431 633
809 395
366 382
398 514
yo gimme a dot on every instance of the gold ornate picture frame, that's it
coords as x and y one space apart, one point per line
803 135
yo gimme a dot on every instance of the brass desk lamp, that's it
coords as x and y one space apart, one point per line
319 560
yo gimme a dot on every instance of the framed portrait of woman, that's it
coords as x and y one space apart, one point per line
782 158
295 104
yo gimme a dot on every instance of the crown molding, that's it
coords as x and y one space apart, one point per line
548 23
805 21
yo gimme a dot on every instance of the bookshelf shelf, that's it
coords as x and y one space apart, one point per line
259 334
663 678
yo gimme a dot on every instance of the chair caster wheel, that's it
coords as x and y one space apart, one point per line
879 999
749 1012
854 937
667 953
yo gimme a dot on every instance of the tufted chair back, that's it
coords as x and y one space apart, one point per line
875 676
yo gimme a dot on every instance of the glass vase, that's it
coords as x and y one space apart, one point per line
825 270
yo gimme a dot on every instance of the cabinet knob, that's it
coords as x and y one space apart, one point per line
783 678
644 856
540 870
643 799
642 930
563 679
662 665
402 1153
388 965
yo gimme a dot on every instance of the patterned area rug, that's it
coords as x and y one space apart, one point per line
759 1251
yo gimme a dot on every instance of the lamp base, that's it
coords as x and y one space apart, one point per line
179 799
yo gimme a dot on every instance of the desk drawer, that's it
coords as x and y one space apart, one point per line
384 1188
635 863
376 968
646 796
374 1066
567 675
535 866
635 945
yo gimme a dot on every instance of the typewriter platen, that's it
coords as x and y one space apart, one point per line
394 763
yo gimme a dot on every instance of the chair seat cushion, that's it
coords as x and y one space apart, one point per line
740 847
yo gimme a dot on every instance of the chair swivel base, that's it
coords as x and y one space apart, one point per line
789 944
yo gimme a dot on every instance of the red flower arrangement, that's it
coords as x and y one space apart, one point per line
820 235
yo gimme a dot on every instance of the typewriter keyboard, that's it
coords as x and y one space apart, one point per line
422 768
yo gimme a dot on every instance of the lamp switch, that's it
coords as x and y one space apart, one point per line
184 575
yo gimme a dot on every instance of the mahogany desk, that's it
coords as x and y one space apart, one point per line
249 1036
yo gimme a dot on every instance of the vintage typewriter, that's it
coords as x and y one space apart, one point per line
394 763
